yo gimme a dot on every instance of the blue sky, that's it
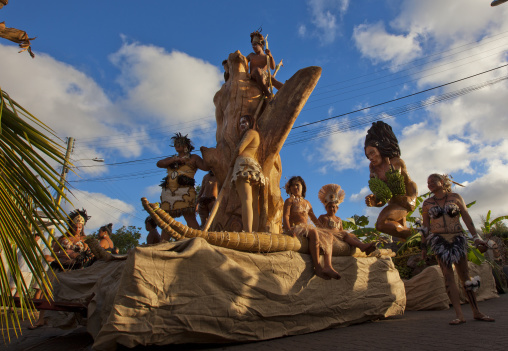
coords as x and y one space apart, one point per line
123 77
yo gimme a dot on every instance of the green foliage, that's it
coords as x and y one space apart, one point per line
358 225
413 241
500 229
355 222
474 255
400 262
27 180
497 223
126 238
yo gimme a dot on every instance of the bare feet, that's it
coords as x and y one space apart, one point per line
38 324
332 273
484 318
320 273
457 321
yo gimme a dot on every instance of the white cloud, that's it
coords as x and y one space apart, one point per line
376 44
466 135
102 208
361 195
67 100
325 18
490 192
450 22
172 87
302 30
342 150
152 190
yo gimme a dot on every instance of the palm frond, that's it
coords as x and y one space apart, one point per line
27 180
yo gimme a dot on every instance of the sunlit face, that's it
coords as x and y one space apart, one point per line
434 184
373 155
256 47
102 234
331 208
78 227
244 124
296 188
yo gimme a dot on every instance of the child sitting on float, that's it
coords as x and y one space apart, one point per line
331 195
297 211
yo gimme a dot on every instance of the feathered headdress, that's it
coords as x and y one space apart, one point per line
257 37
78 216
331 193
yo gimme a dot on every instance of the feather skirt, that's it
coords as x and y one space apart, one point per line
449 252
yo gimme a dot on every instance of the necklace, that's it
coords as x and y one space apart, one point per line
444 197
296 198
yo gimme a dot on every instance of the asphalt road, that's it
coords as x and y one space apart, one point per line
416 330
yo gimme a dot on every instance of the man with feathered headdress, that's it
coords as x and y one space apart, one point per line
178 195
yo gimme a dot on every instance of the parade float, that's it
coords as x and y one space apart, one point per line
222 284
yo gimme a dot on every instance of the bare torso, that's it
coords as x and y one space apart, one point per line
299 209
209 186
257 61
249 144
330 222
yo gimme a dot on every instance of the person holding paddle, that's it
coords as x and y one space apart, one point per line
259 62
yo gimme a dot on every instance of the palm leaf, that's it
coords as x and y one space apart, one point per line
498 219
27 180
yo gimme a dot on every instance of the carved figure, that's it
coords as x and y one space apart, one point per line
104 237
297 211
259 62
443 231
241 96
153 236
226 70
247 174
390 181
331 196
178 195
207 196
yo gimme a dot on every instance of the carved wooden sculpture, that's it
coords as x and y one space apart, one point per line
241 96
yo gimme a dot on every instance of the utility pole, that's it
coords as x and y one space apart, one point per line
65 170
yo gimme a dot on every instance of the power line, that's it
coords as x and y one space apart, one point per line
403 97
420 59
391 86
307 135
187 125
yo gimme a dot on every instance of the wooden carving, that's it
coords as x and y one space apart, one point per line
241 96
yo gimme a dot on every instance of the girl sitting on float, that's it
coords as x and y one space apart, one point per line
297 211
331 195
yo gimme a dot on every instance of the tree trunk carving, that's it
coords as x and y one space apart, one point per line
241 96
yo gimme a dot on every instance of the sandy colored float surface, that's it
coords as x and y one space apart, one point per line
426 291
191 291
